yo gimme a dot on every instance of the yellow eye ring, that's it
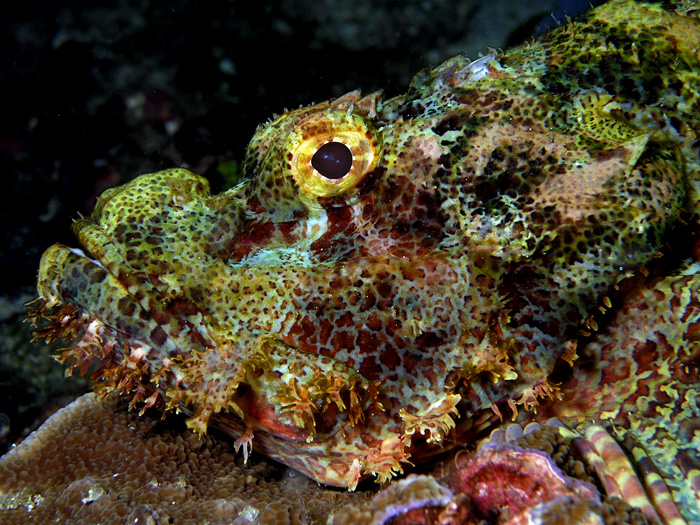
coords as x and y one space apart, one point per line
330 153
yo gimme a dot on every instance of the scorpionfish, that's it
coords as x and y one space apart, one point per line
392 277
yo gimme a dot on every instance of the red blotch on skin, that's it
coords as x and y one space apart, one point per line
367 342
343 340
325 334
369 368
616 371
646 356
390 359
374 322
347 319
340 226
259 234
251 235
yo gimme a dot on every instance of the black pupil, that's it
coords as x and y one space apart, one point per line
333 160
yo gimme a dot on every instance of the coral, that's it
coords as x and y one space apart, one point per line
96 462
501 483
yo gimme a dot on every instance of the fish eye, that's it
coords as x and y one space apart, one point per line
333 160
331 152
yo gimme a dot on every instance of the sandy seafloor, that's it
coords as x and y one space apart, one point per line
94 93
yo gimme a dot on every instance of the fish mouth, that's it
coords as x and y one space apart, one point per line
82 302
148 344
63 271
143 240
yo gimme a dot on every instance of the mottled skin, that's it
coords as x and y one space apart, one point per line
492 219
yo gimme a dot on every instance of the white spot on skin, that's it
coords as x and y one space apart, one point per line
81 253
93 328
137 353
480 68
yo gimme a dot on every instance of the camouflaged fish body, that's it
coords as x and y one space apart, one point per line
349 317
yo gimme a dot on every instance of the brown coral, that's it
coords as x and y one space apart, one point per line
94 462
